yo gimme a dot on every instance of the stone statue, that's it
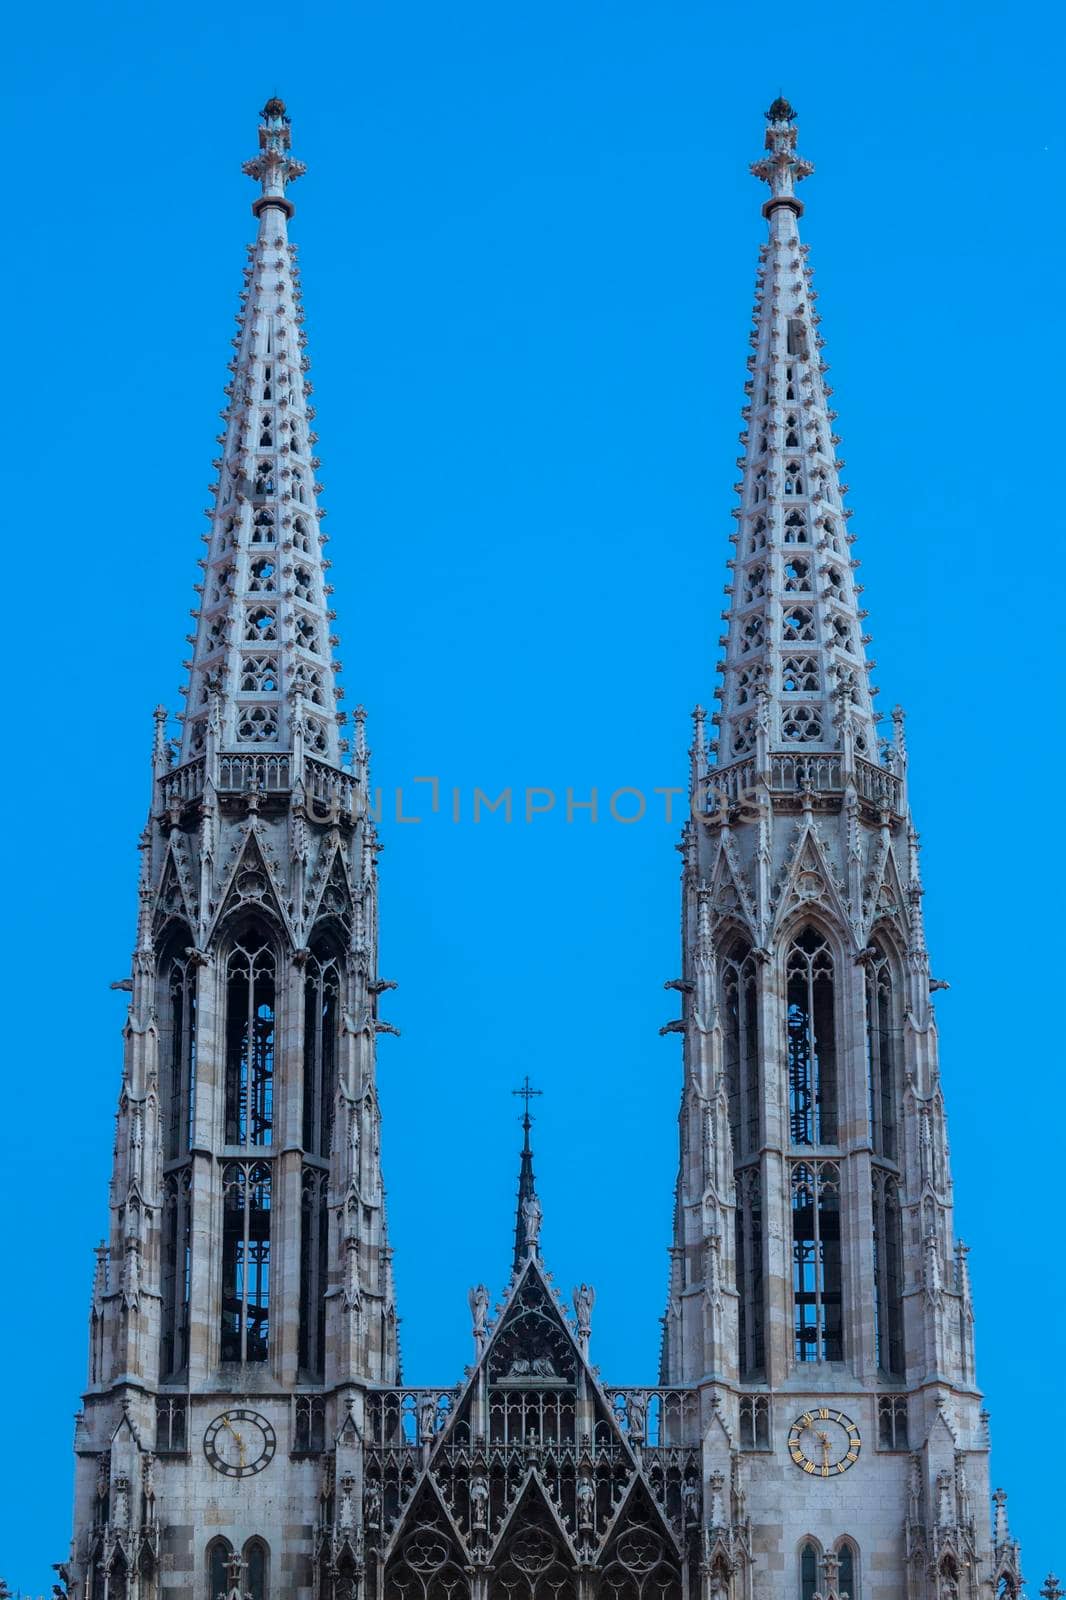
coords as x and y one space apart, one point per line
372 1505
636 1415
584 1300
479 1502
586 1501
427 1417
532 1216
479 1309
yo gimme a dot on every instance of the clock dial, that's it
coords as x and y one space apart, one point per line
823 1442
239 1442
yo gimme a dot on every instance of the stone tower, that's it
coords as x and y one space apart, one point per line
817 1432
244 1297
819 1300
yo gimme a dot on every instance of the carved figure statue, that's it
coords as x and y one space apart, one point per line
479 1309
372 1505
427 1417
689 1503
586 1501
584 1300
636 1415
479 1502
532 1216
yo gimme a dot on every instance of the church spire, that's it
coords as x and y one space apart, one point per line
262 672
794 668
528 1209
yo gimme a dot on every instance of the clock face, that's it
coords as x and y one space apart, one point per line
239 1443
824 1442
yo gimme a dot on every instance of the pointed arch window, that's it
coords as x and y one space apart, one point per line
847 1571
817 1302
250 998
808 1571
314 1270
219 1554
752 1353
882 1052
811 1041
321 1026
176 1273
177 981
888 1273
795 529
256 1566
246 1206
740 1017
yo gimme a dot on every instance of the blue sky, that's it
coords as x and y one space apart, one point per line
528 242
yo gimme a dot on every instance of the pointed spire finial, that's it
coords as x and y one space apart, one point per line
782 168
273 166
529 1213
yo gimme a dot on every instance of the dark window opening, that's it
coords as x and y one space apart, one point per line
811 1041
245 1261
250 988
816 1279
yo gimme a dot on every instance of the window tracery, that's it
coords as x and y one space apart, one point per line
262 578
322 987
259 675
801 724
250 999
303 583
842 635
811 1040
795 528
307 636
797 576
797 624
748 681
258 723
799 675
754 583
755 1422
751 637
758 535
749 1230
817 1300
219 1555
261 625
739 990
744 735
176 1269
246 1207
888 1273
793 478
809 1564
315 735
300 536
882 1051
264 477
310 680
263 527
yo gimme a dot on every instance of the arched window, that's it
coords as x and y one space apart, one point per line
808 1571
250 991
177 1009
176 1273
888 1273
246 1204
314 1270
817 1302
752 1354
848 1571
321 1023
740 1022
811 1041
256 1565
881 1053
219 1552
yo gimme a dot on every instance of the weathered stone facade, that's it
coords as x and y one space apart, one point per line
817 1429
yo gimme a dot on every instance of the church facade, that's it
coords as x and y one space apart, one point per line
816 1431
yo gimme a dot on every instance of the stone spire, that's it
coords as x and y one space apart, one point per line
794 667
528 1209
262 672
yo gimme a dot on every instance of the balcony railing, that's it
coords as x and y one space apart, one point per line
791 773
268 773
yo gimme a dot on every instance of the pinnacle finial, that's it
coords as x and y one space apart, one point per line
528 1219
274 167
782 168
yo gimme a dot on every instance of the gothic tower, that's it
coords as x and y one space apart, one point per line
819 1300
244 1300
817 1432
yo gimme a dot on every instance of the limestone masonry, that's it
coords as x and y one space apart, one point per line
817 1429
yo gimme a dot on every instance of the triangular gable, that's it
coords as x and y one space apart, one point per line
251 884
330 893
810 879
426 1517
640 1521
531 1513
174 896
730 895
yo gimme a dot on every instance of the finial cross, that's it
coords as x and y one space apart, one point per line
527 1093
